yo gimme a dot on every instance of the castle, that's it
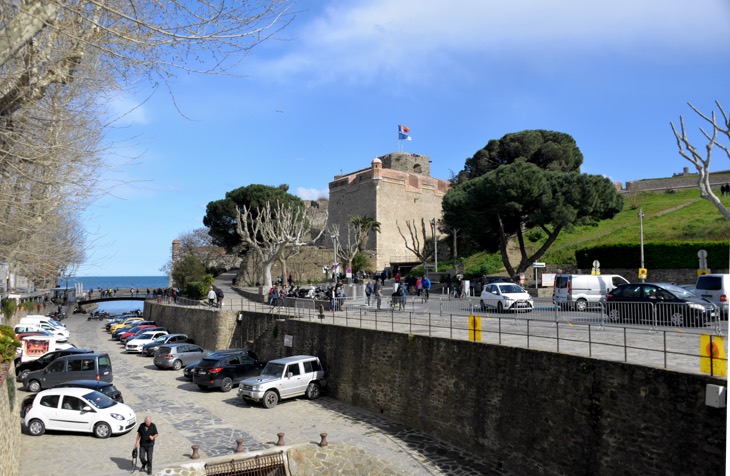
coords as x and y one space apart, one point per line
396 188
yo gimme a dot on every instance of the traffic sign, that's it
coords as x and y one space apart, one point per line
642 273
538 264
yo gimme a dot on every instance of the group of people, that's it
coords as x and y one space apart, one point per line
401 290
725 190
215 297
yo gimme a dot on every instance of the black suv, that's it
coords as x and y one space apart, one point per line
225 370
23 369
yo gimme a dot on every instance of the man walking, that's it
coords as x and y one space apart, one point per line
211 296
146 436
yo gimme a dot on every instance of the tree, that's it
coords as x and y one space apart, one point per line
188 269
347 248
702 164
271 230
520 194
365 225
421 246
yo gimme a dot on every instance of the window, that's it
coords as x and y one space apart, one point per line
74 365
50 401
293 369
72 403
88 364
104 362
234 361
56 366
311 366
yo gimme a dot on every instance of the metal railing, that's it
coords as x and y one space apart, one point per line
647 335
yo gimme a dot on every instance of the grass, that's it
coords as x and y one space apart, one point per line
675 216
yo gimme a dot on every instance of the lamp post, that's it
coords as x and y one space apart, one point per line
334 263
641 238
435 246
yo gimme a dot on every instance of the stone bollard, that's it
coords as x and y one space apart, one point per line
195 455
281 439
239 445
321 312
324 440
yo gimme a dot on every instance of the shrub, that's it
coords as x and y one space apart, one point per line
8 344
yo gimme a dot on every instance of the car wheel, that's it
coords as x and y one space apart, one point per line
676 318
313 391
614 315
500 307
34 386
23 375
177 365
102 430
36 427
271 398
581 305
226 385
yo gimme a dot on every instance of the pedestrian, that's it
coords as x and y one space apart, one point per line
419 286
219 296
401 296
211 296
146 436
369 291
378 290
483 297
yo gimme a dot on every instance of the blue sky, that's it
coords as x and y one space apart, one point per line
326 97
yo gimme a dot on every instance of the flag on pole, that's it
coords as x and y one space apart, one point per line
403 132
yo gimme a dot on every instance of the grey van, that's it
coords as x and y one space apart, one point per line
70 367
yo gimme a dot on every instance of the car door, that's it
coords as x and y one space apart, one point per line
54 373
191 353
293 382
246 368
71 415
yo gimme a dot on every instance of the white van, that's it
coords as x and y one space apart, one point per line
61 335
716 289
580 291
40 318
32 347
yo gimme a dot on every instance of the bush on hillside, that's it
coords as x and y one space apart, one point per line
669 255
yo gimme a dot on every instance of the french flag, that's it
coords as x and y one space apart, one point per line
403 132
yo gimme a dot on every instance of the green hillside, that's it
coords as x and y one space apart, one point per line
668 216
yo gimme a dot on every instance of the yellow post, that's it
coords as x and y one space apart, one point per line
475 328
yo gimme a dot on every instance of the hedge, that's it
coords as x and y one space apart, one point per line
669 255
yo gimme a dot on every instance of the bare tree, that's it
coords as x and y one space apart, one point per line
702 163
421 246
273 231
347 247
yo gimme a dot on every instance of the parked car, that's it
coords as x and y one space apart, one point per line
150 349
716 289
176 356
138 332
223 371
61 335
580 291
22 369
136 343
506 297
70 367
134 328
640 303
107 388
285 378
79 410
124 322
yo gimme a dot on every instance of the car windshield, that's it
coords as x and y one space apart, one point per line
99 400
273 369
145 336
678 291
511 289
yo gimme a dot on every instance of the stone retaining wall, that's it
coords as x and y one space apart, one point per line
525 411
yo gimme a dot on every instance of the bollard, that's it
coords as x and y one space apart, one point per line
239 445
324 440
281 439
195 452
321 311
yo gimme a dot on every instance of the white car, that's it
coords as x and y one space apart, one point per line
80 410
136 344
506 297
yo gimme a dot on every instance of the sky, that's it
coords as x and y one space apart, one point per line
326 95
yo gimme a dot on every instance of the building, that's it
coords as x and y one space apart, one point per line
396 188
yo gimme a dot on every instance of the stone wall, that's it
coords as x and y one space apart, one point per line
677 182
210 328
525 411
9 421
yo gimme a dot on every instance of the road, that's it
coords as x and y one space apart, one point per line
185 415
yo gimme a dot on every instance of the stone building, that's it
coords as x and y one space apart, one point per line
395 188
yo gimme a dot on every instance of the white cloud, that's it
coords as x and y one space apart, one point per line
312 193
361 40
125 111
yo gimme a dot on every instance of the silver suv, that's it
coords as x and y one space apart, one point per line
285 378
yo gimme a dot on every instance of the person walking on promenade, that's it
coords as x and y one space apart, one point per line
146 436
211 296
378 290
426 283
369 291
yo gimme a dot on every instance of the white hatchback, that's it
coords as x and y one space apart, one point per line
136 344
506 297
79 410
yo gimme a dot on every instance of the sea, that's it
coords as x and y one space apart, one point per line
118 282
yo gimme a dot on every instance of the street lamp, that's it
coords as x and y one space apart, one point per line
641 238
334 263
435 247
